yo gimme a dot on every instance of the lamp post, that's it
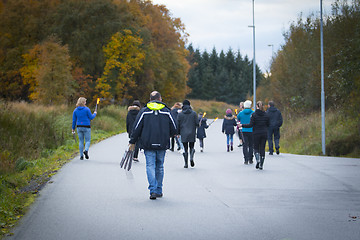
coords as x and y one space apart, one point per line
272 50
322 82
254 62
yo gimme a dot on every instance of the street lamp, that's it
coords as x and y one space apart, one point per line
272 50
322 82
254 62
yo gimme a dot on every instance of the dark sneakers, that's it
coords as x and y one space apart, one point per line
86 154
81 158
277 151
153 196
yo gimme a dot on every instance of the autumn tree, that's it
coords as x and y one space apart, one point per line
47 70
123 56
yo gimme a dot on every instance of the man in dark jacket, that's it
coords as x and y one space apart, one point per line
153 127
276 121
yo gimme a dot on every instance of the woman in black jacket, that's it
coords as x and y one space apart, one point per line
259 121
133 110
187 121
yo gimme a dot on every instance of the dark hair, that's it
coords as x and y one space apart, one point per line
271 104
260 105
155 95
136 103
186 102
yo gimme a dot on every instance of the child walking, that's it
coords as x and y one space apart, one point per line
228 128
201 134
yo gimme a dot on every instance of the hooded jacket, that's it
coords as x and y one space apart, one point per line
244 118
228 124
187 122
153 127
275 117
259 121
201 128
82 117
130 118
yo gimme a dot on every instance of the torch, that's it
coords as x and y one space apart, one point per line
97 102
204 114
213 121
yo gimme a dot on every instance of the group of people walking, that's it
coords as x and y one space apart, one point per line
155 128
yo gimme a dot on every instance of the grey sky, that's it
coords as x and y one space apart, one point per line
224 23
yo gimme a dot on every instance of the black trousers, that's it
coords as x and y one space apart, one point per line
273 132
248 144
259 143
187 145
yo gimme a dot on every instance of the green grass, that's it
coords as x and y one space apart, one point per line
35 142
302 135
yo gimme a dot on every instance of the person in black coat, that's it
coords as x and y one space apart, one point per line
276 122
259 121
187 122
174 113
228 128
133 111
201 134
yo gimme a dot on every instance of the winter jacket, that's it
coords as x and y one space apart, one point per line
275 117
174 113
244 118
130 118
259 121
187 122
82 117
228 124
153 127
201 128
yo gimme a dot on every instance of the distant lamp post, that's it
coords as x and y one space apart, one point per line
272 50
254 62
322 82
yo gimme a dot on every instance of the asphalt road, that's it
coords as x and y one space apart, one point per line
294 197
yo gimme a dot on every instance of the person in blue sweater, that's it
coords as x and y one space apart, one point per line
81 121
244 118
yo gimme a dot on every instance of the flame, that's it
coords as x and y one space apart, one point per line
204 114
236 110
215 119
98 100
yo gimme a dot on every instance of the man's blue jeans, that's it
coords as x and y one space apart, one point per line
84 133
155 169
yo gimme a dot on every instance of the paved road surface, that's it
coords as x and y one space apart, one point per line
294 197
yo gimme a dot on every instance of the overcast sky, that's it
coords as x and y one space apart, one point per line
225 23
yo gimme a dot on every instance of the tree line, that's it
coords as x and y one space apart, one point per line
53 51
295 80
221 77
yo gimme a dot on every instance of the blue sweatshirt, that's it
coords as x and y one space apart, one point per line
82 117
244 118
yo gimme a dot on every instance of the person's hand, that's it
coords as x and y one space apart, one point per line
73 131
131 147
95 111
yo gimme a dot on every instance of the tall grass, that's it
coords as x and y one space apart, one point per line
302 135
213 109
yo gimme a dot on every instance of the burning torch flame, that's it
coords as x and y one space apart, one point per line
204 114
98 100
